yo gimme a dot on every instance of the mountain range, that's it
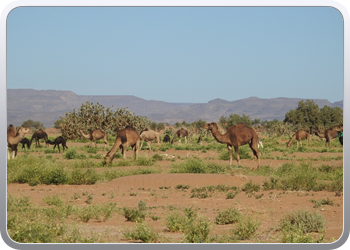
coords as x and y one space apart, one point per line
47 106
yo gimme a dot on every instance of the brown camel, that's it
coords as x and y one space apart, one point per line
125 138
330 134
13 139
148 136
39 134
95 135
59 140
180 133
300 135
235 136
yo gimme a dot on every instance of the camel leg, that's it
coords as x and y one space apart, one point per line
123 152
149 146
237 155
186 139
230 154
256 153
141 144
8 153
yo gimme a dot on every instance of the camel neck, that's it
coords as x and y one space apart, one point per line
219 137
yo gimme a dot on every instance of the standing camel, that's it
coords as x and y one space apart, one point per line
95 135
39 134
237 135
148 136
125 138
13 139
300 135
180 133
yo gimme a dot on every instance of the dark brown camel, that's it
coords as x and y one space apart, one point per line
148 136
180 133
166 138
39 134
235 136
300 135
25 142
59 140
125 138
95 135
13 138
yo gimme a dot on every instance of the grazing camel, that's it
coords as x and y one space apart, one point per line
13 138
166 138
235 136
300 135
125 138
148 136
25 142
59 140
180 133
39 134
95 135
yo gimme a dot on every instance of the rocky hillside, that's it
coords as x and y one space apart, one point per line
47 106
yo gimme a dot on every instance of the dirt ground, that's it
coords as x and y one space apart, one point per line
159 193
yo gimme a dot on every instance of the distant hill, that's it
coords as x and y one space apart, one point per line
47 106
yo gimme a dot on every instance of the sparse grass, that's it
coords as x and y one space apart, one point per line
143 232
228 216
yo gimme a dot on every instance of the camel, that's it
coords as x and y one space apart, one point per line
300 135
235 136
125 138
148 136
39 134
330 134
166 138
180 133
95 135
13 138
25 142
59 140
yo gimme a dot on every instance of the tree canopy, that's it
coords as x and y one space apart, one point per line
92 116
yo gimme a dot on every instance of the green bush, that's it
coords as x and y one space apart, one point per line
228 216
246 228
198 230
143 232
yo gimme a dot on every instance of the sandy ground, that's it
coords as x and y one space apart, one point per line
161 196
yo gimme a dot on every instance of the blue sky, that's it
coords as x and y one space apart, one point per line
178 54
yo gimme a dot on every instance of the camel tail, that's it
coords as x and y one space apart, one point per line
291 141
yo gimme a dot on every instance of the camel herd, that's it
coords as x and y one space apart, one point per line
235 136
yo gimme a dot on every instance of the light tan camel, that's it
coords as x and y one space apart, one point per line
39 134
300 135
237 135
13 138
180 133
95 135
125 138
148 136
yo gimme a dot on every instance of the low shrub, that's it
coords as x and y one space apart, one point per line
228 216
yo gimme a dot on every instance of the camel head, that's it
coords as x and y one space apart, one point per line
23 130
211 126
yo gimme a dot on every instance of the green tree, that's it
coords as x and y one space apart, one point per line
234 119
95 116
308 116
32 124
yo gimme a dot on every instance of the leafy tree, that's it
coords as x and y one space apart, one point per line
95 116
308 116
32 124
234 119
